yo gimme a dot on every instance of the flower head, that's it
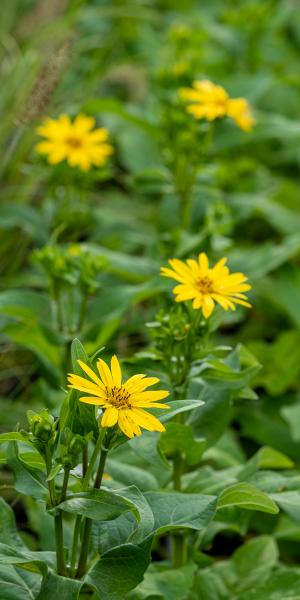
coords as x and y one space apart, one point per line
209 101
205 285
122 402
77 142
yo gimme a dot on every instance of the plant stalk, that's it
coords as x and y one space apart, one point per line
58 524
88 522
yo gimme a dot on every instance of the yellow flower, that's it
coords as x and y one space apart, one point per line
210 101
77 142
205 285
123 403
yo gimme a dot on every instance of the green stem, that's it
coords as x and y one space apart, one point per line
85 460
88 522
51 485
87 470
58 524
59 540
88 474
75 545
64 485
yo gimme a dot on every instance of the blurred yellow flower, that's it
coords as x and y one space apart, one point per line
210 101
205 285
77 142
123 403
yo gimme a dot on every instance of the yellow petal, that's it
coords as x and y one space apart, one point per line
133 381
105 373
151 396
207 306
146 420
116 371
204 265
145 404
140 385
92 400
125 425
110 417
85 385
91 374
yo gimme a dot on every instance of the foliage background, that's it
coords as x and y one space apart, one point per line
123 62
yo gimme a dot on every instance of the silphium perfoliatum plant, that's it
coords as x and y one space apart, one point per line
122 470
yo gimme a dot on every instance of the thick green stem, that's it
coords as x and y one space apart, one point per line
64 485
88 522
59 540
74 551
87 470
58 524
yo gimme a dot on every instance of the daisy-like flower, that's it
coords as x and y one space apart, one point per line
206 286
77 142
122 402
209 101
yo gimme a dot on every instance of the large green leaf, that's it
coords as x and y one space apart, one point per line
125 528
17 584
99 505
120 570
244 495
174 510
130 475
165 584
54 586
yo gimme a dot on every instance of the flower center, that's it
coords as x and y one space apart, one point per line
118 397
73 141
205 285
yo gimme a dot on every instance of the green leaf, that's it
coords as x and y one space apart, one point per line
244 495
175 510
165 585
55 586
289 502
125 528
268 458
16 584
120 570
28 481
179 437
291 414
14 436
76 415
255 553
282 583
211 421
100 505
8 528
264 258
177 407
130 475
